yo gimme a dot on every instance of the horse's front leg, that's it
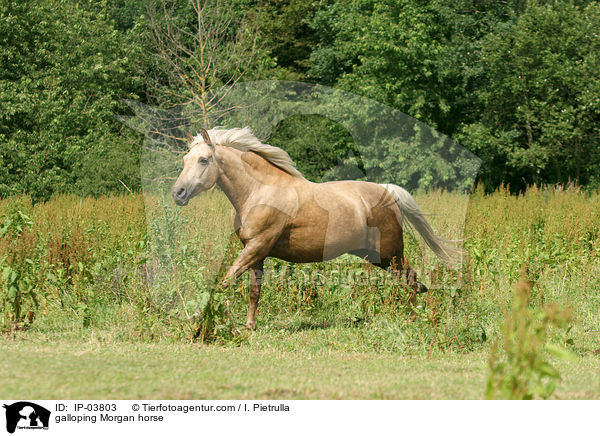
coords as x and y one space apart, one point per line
251 257
254 252
255 285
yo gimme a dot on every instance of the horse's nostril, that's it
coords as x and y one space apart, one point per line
180 192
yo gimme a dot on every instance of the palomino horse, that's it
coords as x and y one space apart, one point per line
281 214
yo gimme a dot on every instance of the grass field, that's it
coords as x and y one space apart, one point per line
100 303
93 369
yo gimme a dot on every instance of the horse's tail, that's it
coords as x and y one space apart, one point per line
408 206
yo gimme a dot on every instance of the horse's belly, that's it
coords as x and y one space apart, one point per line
318 244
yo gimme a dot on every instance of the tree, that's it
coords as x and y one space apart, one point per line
385 50
284 30
63 72
321 146
418 57
204 47
541 98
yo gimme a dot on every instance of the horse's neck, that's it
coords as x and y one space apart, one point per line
241 174
234 180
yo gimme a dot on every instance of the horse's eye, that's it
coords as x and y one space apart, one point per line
203 161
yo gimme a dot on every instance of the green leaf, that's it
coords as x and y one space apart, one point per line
548 370
5 273
561 353
12 292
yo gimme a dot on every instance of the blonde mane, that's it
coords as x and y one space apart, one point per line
244 140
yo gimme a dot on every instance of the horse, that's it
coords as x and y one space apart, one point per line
280 213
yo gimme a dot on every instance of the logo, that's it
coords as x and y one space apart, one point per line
26 415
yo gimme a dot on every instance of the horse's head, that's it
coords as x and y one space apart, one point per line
200 171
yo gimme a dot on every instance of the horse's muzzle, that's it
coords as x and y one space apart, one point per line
180 196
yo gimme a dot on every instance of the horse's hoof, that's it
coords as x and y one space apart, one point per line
251 326
421 288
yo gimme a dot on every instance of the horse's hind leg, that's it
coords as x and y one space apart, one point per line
414 283
256 272
402 272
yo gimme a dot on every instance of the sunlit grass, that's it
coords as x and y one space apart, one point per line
128 272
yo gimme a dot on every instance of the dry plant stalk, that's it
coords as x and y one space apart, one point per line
203 61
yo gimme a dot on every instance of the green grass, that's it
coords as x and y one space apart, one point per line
115 282
94 369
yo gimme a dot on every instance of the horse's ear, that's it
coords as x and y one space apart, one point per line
206 138
188 136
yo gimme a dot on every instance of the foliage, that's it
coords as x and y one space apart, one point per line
18 281
63 72
286 32
540 94
315 144
514 81
419 57
181 289
203 48
386 50
524 373
102 265
212 317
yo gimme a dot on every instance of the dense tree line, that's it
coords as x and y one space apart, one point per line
514 81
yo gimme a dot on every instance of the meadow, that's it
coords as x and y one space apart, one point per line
115 297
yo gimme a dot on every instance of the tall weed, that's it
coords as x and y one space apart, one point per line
521 371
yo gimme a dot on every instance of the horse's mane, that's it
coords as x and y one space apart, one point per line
244 140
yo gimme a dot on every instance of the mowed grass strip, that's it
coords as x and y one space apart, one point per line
71 370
